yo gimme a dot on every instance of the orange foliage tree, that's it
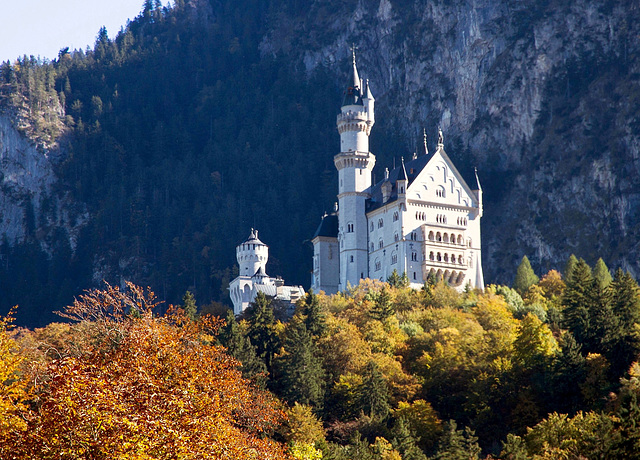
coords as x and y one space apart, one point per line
145 388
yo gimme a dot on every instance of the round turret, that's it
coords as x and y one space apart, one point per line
252 255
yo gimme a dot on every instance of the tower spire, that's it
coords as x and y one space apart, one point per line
424 136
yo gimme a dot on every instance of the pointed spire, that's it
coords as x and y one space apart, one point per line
353 94
356 78
424 136
477 180
367 91
403 172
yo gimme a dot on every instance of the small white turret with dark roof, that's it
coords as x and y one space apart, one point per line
252 255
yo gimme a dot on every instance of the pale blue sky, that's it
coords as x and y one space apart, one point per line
43 27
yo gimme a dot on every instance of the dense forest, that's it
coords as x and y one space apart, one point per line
544 370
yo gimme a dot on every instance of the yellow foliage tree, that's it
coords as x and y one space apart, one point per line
13 393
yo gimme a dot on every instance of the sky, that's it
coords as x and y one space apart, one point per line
43 27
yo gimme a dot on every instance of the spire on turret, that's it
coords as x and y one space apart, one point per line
367 91
403 172
477 180
353 94
440 138
424 136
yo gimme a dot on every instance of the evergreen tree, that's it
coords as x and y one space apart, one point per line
625 305
570 266
374 393
405 441
525 276
382 307
314 316
397 281
601 275
299 368
262 331
189 305
239 346
457 444
569 372
578 300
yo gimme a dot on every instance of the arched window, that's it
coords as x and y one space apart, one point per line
371 227
380 244
350 258
394 258
377 265
438 237
431 256
459 239
373 248
446 257
395 216
350 227
380 223
445 239
460 260
414 256
431 237
440 192
396 237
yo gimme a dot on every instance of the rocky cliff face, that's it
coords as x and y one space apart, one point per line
30 204
542 96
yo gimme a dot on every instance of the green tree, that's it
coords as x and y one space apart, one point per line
601 275
189 305
374 393
625 305
262 328
299 367
457 444
314 315
578 302
405 441
239 346
397 281
525 276
382 307
569 266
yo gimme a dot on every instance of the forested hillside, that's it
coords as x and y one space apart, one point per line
162 145
545 370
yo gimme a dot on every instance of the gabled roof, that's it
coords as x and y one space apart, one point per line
328 226
410 170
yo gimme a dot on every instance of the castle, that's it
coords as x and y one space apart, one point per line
422 219
252 256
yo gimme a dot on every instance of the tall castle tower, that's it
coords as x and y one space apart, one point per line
354 164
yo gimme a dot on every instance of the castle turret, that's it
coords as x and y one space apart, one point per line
252 255
354 164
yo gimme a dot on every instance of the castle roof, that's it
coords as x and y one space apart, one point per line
353 94
253 238
328 226
406 171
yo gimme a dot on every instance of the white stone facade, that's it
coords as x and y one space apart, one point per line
252 256
422 219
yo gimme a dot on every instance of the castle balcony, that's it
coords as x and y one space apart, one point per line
352 116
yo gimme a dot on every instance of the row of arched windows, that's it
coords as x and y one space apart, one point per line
421 216
448 238
441 219
461 221
446 258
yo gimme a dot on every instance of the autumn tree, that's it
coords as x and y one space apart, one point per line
525 276
145 387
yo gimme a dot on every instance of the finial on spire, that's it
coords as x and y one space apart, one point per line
353 49
440 137
424 136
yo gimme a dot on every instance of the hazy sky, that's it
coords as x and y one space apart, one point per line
43 27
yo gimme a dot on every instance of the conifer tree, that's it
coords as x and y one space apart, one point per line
262 331
457 444
525 276
382 307
601 275
314 316
239 346
397 281
578 301
189 305
374 393
299 368
625 305
569 372
405 441
570 265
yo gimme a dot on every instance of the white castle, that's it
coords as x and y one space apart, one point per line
422 219
252 256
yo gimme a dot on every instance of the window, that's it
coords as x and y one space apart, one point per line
446 257
440 192
380 244
414 256
431 236
439 257
377 265
394 258
414 275
373 248
349 228
380 223
395 216
396 237
371 227
438 237
350 258
431 256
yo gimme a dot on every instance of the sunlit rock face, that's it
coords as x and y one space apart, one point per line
542 97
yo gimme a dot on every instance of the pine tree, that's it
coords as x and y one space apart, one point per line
314 316
569 372
405 441
239 346
525 276
625 305
374 393
189 305
578 302
570 266
397 281
382 307
262 331
601 275
299 368
457 444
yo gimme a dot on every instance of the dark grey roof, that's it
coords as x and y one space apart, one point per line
410 170
328 226
353 95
